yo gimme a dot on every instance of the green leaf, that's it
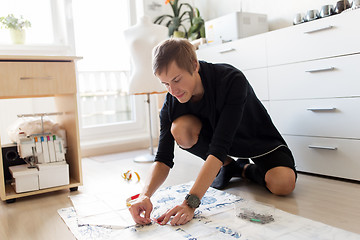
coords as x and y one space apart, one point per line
182 15
193 36
159 19
172 28
183 12
195 28
197 20
175 8
191 12
197 12
202 31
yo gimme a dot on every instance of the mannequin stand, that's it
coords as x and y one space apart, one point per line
147 158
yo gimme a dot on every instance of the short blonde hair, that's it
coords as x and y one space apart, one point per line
174 49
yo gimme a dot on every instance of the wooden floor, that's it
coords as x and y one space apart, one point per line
332 202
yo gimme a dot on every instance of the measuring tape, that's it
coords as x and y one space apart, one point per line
128 175
131 199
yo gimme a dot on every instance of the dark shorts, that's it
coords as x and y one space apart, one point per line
280 157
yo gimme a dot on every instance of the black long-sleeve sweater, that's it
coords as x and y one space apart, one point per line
237 122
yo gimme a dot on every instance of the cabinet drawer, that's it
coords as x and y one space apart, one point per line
321 117
326 156
321 38
246 53
22 79
259 82
332 77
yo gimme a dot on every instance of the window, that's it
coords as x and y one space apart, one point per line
103 99
103 73
48 33
40 17
92 29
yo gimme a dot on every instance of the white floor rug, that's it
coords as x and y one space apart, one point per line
216 218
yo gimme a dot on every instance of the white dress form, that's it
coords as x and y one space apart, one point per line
142 38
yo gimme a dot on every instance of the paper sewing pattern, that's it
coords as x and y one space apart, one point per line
214 219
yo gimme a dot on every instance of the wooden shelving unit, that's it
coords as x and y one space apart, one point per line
44 76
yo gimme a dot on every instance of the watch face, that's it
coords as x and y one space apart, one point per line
193 201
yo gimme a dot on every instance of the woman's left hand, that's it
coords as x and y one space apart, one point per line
182 214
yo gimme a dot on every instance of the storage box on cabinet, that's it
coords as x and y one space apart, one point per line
335 117
326 156
40 78
326 37
246 53
332 77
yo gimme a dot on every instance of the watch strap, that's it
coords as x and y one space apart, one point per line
192 200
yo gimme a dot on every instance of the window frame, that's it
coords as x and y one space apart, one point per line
64 44
63 35
118 132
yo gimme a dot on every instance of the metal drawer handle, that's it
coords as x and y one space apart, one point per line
227 50
319 29
33 78
322 147
320 70
322 109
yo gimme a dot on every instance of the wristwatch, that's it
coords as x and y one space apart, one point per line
192 201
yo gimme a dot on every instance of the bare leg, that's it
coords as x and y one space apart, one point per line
280 180
186 130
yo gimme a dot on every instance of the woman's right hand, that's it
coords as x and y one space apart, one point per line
141 209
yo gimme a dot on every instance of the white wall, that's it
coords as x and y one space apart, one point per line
280 12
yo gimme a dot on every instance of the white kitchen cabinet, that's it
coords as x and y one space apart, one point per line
249 53
259 81
324 78
326 156
314 93
310 86
332 117
327 37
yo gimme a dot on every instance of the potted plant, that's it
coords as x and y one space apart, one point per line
197 28
176 21
16 27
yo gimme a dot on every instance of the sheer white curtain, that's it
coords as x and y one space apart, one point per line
107 112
